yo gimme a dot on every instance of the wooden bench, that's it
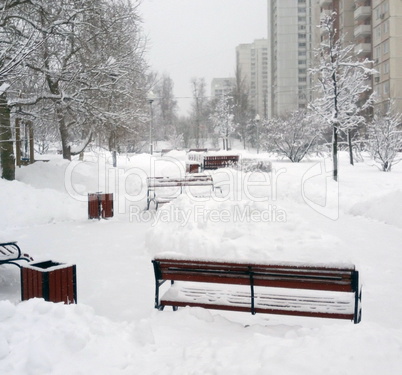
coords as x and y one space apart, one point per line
220 161
10 253
154 183
324 291
214 161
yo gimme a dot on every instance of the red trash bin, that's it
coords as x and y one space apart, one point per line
52 281
100 205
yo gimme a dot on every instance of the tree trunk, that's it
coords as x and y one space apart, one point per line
350 148
66 150
6 142
335 152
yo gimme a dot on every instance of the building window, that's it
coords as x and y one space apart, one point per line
385 47
377 32
377 52
384 7
302 79
302 62
385 68
386 88
385 27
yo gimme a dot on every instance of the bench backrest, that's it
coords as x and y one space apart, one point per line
220 161
287 275
193 180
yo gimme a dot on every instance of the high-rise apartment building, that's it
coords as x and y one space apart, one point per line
222 86
292 36
376 31
387 51
252 60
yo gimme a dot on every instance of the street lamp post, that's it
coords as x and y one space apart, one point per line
151 98
257 120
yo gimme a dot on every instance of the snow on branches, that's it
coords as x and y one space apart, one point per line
385 139
293 135
342 81
343 92
223 119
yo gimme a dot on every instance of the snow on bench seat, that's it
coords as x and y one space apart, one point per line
314 303
165 189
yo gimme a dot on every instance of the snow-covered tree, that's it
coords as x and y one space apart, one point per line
385 139
13 51
342 85
165 109
87 74
199 109
241 106
293 135
223 119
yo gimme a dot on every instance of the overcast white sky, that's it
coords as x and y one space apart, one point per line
198 38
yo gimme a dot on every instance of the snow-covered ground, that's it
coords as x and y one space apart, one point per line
294 213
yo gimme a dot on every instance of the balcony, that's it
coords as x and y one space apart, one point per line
363 49
362 13
362 30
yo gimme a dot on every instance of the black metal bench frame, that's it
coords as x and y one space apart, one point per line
301 281
154 183
10 253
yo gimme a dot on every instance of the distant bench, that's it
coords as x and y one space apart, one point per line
156 184
294 289
221 161
10 253
214 161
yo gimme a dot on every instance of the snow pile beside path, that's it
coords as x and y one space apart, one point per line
44 175
385 208
61 339
22 205
235 230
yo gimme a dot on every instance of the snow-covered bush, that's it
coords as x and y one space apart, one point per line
385 139
293 135
254 165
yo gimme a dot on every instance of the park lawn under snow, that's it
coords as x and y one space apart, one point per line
294 213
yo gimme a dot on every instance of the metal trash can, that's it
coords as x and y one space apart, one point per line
52 281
